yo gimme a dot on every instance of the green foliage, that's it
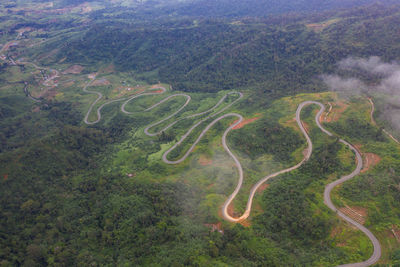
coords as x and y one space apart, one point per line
268 137
288 215
74 195
351 127
327 160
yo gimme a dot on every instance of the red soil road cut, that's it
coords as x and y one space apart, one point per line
358 214
262 188
335 113
244 122
370 160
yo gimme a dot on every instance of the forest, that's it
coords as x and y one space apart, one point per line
76 194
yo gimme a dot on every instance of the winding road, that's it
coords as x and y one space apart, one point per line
328 189
327 192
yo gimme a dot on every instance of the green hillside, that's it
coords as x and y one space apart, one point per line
94 96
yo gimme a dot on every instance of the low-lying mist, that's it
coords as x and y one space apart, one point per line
371 77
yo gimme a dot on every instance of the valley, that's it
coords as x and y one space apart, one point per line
134 136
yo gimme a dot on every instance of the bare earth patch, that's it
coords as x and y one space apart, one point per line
318 27
359 214
337 110
370 160
396 232
335 231
215 227
305 152
262 188
75 69
204 161
92 76
109 69
245 122
100 82
306 126
69 84
231 212
49 94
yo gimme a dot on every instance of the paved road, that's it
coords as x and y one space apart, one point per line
45 82
28 94
327 199
327 195
182 139
253 190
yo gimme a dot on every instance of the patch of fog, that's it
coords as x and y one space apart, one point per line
225 176
385 86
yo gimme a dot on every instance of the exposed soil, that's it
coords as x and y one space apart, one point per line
92 75
75 69
69 84
343 244
109 69
306 126
318 27
5 177
215 227
204 161
244 122
335 231
262 188
100 82
358 214
337 110
245 223
370 160
48 94
360 210
396 232
231 210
